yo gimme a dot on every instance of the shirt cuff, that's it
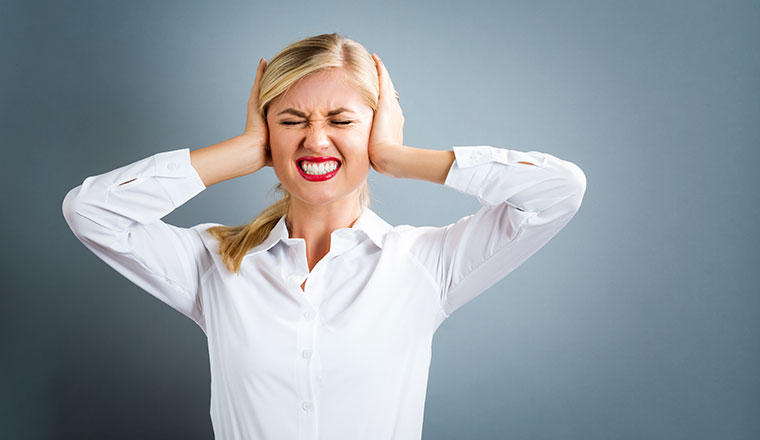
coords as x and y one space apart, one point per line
472 172
466 174
183 181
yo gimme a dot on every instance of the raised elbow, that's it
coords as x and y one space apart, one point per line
576 181
578 178
69 208
68 205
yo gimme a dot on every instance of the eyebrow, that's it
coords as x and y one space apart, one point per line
295 112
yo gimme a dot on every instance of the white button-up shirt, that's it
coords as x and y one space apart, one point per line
348 357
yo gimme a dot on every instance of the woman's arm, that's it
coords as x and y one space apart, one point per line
387 151
117 215
526 199
240 155
414 163
234 157
418 163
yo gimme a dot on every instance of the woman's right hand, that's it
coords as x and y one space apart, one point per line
256 130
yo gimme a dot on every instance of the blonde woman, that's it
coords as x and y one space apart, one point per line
319 315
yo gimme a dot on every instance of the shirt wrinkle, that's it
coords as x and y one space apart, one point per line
287 363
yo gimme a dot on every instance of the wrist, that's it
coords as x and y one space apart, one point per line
248 157
417 163
390 159
226 160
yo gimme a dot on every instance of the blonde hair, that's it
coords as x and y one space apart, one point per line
294 62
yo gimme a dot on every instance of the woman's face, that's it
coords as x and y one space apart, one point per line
320 117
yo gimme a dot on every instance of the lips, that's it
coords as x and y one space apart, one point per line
317 159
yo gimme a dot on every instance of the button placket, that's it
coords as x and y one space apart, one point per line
304 358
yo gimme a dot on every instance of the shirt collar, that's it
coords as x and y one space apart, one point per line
368 223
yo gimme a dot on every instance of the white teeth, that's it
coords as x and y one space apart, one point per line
319 168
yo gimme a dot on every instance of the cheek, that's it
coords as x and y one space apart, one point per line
360 160
280 145
358 147
360 139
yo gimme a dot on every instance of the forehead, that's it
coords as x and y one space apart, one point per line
321 92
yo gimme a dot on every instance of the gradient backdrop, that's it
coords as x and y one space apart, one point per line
638 321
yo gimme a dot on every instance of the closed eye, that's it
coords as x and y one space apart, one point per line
301 122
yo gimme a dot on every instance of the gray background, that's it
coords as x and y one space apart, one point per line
639 320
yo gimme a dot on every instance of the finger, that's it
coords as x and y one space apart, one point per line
259 73
387 75
387 89
379 68
383 72
256 89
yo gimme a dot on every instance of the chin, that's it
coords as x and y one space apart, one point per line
322 197
319 199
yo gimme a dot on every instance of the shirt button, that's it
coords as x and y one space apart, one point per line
306 406
306 354
307 314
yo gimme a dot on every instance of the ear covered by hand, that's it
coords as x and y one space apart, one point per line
387 132
256 131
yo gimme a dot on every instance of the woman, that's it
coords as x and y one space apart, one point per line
319 315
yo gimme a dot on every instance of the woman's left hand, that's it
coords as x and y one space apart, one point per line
387 135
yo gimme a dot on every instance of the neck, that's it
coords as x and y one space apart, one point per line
315 223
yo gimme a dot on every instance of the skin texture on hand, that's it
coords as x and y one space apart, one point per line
388 124
240 155
256 129
387 152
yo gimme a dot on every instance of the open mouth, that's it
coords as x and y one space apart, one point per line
318 168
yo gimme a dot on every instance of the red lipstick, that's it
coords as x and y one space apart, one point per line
318 159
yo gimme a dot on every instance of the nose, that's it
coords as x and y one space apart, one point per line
316 139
